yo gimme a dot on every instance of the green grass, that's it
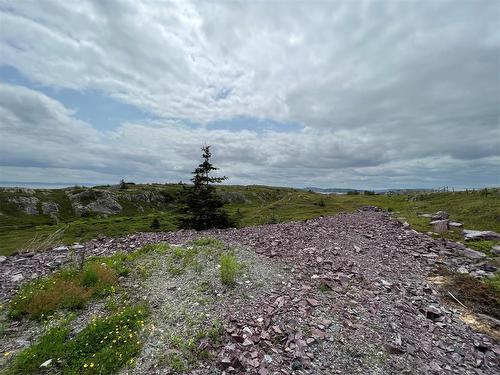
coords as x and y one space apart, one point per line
493 283
66 289
104 346
229 268
72 288
252 205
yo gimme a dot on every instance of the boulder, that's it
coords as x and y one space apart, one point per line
455 224
439 225
440 215
496 250
480 235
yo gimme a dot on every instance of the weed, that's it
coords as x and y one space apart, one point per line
324 287
192 344
174 361
208 241
493 283
229 268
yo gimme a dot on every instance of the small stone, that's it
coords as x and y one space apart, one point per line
46 364
317 334
17 278
313 302
440 215
2 258
433 312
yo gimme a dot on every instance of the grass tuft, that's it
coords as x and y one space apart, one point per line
229 268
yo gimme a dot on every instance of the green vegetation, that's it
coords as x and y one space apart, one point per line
249 205
66 289
72 288
103 347
229 268
493 284
192 344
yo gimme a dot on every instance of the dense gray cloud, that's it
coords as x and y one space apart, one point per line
388 93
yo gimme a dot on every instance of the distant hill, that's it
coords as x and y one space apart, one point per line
329 190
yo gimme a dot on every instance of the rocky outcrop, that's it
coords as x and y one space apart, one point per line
94 201
232 197
50 208
27 204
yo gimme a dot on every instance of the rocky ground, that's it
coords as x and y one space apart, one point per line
345 294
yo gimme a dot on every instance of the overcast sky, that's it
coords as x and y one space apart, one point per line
363 94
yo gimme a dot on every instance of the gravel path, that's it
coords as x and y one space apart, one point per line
375 312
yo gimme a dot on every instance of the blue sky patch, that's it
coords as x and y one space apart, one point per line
92 106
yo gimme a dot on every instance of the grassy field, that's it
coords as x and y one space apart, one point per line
252 205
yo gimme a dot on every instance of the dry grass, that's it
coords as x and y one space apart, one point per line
63 290
42 242
475 294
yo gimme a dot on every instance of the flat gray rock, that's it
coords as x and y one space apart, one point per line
473 254
480 235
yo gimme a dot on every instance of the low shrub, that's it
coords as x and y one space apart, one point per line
155 224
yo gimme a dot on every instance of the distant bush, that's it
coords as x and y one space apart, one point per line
123 185
320 203
353 192
274 219
369 192
155 224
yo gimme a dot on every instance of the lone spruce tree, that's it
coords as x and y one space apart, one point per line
203 207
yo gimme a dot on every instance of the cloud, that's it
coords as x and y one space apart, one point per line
385 92
49 142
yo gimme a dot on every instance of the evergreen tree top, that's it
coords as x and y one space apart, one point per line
202 172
